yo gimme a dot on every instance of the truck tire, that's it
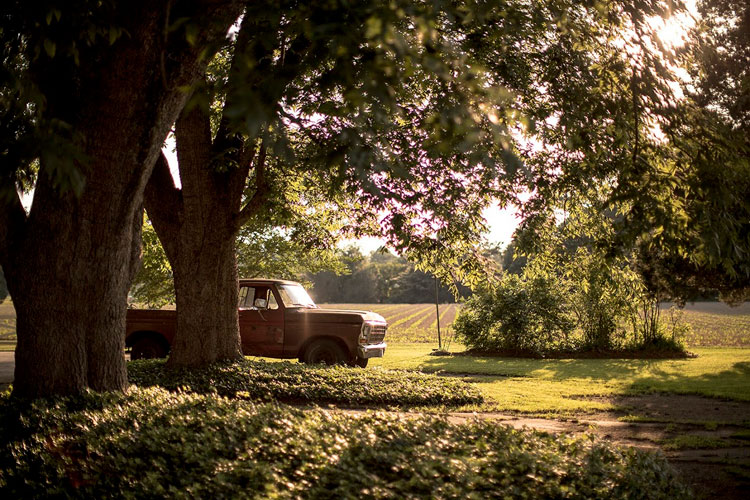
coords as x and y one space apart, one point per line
147 348
325 351
361 362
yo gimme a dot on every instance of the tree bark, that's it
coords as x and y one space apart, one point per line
70 262
206 291
197 226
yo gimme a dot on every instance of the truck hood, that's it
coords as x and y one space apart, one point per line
338 316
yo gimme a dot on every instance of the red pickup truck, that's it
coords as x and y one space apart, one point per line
278 319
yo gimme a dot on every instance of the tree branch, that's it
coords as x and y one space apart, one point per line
224 136
258 200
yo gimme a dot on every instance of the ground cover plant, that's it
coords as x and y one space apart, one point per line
157 443
298 383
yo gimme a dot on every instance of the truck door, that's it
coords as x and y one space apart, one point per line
261 321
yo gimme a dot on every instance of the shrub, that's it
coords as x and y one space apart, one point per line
297 383
654 331
518 315
601 294
154 443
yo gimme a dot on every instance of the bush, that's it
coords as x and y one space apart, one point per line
297 383
518 315
537 315
601 295
159 444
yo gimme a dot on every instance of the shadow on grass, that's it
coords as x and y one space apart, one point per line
732 383
635 376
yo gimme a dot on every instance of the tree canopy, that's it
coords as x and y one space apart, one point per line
403 119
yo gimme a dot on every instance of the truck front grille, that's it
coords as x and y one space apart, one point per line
377 334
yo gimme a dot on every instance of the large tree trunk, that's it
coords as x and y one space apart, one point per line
205 277
70 262
197 226
69 286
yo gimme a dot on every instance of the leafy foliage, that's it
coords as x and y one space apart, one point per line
602 289
520 315
721 44
153 284
572 281
380 277
270 253
261 252
616 121
299 383
153 442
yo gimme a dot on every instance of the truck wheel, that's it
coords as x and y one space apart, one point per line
325 351
361 362
147 348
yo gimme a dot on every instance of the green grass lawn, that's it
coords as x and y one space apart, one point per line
560 386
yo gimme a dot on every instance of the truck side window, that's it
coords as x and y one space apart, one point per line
272 304
247 295
267 295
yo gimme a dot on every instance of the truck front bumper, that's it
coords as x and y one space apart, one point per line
371 350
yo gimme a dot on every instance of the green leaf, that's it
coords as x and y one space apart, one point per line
49 47
191 33
373 27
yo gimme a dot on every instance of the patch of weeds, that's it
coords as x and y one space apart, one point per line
163 444
298 383
743 434
693 442
642 419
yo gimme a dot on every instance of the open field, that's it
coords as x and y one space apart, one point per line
410 322
717 324
713 324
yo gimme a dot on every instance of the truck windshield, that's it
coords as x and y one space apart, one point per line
295 296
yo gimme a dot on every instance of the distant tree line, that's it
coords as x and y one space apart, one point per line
381 277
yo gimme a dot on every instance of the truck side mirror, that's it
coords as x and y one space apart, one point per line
261 303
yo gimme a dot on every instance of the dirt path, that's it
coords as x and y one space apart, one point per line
706 440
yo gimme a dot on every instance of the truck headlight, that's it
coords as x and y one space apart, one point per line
365 333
